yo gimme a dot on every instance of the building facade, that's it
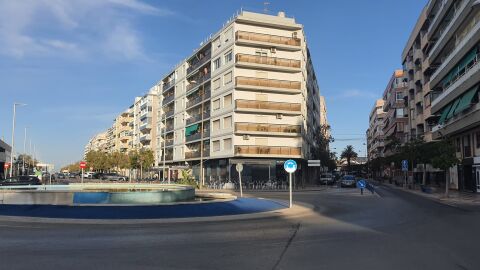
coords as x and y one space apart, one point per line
375 137
97 143
5 154
247 95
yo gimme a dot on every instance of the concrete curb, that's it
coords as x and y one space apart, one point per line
298 210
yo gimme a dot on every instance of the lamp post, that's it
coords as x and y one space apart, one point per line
24 150
13 135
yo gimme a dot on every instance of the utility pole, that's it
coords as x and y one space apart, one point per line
13 135
24 150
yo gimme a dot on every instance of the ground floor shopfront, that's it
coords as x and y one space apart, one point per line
256 171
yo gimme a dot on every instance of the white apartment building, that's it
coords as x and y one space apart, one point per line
248 95
375 137
97 143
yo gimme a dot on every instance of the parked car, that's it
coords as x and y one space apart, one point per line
114 177
23 180
326 179
96 175
60 176
348 181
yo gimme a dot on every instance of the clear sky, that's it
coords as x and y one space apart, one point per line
79 63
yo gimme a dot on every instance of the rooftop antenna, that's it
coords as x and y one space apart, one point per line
265 7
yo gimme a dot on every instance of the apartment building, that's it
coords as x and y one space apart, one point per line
247 95
441 57
97 143
396 117
5 152
145 118
375 137
122 132
323 116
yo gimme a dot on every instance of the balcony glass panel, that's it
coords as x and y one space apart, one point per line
267 38
267 105
265 60
268 83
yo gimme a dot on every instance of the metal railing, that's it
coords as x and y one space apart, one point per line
205 58
197 136
198 117
267 128
168 99
197 99
461 74
267 38
267 83
268 150
168 85
198 81
267 105
265 60
196 154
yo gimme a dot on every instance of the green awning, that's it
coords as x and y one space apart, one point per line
191 130
466 100
445 112
452 110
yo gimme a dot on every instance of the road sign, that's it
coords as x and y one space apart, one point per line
6 165
361 183
83 165
290 166
239 167
405 165
314 163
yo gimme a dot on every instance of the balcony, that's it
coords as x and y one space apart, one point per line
194 66
168 113
145 126
196 99
168 99
196 154
273 107
198 117
169 156
168 142
270 85
168 85
278 151
252 128
268 41
198 81
146 138
168 128
197 136
268 63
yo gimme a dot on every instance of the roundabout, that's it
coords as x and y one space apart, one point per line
129 202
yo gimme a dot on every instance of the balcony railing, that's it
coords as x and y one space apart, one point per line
267 105
268 128
198 81
243 35
168 128
205 58
168 157
146 138
168 99
268 150
258 82
169 142
197 99
196 154
462 72
265 60
169 113
168 85
198 117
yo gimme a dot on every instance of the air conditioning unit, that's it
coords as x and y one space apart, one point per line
279 116
246 137
273 50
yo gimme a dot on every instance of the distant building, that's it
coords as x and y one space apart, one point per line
98 143
375 137
5 155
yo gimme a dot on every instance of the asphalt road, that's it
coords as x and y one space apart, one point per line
396 230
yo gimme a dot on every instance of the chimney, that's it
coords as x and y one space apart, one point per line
281 14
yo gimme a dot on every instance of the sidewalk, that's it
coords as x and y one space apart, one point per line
455 197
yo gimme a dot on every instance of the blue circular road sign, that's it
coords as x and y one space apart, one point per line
290 166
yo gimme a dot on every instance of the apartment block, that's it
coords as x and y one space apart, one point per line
247 95
444 46
375 137
97 143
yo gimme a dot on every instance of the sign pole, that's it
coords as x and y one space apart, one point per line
290 190
82 175
240 180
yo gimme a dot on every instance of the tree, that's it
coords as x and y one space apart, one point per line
186 178
348 154
445 158
321 150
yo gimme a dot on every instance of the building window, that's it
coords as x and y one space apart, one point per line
459 145
261 53
216 104
228 34
400 112
228 57
227 122
227 78
227 144
216 125
216 146
227 100
477 135
216 43
216 84
399 96
216 64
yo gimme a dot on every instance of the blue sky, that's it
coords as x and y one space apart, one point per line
79 63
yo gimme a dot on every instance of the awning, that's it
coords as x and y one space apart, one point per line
466 100
467 59
191 130
452 110
445 112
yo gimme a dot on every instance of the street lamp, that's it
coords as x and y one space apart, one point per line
13 135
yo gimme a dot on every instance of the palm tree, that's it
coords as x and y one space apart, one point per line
348 153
